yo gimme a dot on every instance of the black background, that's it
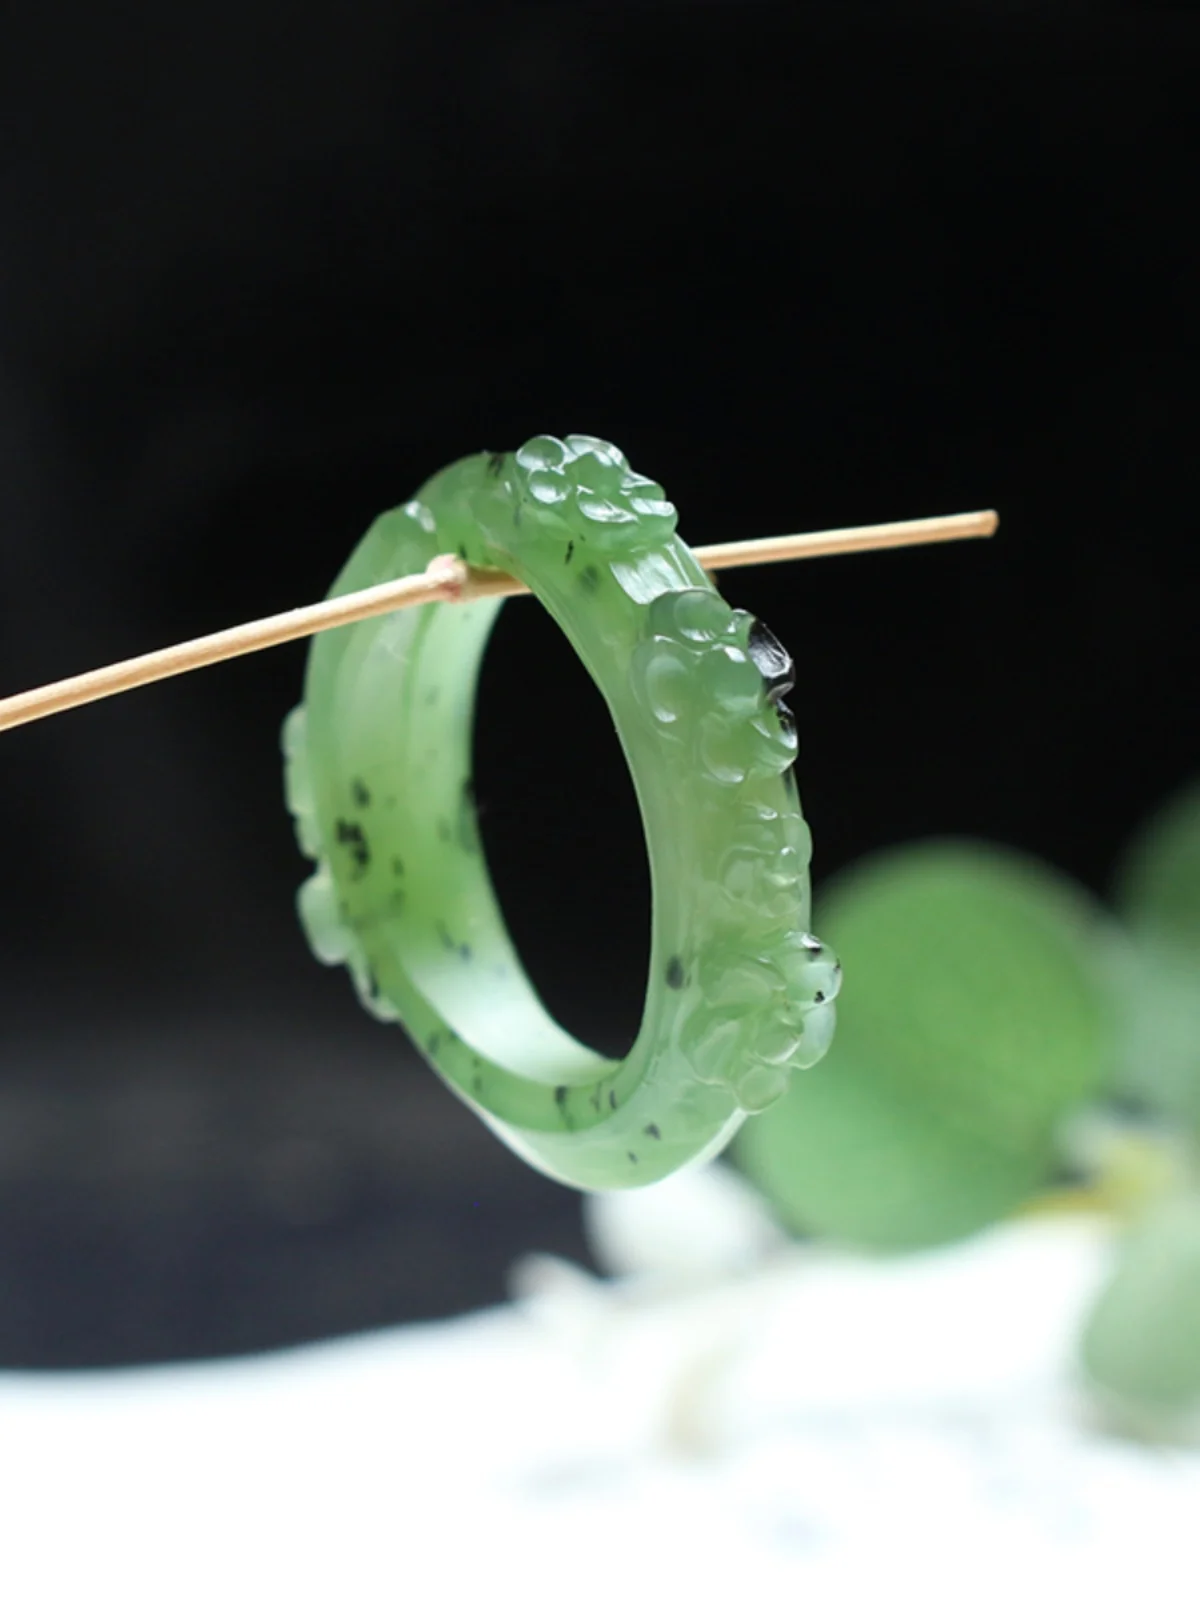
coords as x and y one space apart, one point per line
262 270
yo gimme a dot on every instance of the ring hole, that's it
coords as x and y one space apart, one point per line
562 830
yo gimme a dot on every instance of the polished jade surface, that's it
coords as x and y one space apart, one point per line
378 776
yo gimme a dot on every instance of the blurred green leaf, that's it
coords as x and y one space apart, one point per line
1158 880
1141 1344
1159 1058
974 1013
1158 894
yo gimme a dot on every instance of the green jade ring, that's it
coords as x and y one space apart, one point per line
378 778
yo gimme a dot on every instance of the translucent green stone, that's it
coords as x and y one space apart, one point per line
378 762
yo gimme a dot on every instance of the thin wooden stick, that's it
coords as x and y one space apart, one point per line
447 579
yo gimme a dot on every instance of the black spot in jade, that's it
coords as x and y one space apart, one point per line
351 835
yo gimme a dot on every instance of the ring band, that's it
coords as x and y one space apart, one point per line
378 778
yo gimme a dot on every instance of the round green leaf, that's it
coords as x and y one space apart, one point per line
1158 892
973 1014
1160 1032
1141 1344
1158 881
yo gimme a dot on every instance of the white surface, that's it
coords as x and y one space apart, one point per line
816 1427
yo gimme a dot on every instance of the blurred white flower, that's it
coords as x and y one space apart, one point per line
702 1224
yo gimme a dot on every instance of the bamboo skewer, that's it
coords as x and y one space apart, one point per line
447 579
